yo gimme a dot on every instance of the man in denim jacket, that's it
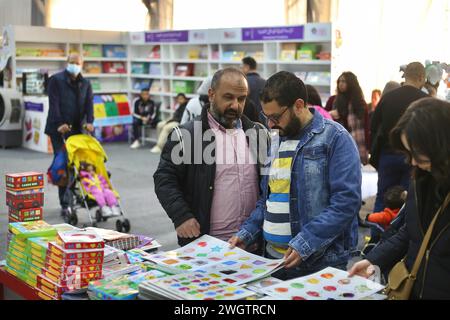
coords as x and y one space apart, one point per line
311 193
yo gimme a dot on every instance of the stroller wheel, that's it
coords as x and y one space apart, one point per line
73 219
98 215
126 225
119 226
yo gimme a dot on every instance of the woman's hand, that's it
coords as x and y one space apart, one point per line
362 268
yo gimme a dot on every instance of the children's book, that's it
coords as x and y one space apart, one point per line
209 254
30 229
328 284
194 286
79 239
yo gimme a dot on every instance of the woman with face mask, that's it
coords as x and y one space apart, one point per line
423 134
70 109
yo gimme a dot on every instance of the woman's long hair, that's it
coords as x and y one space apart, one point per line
426 126
353 95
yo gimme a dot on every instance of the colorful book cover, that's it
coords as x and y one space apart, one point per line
24 214
58 269
50 287
24 180
79 239
39 243
13 246
211 254
18 254
57 260
32 229
78 280
68 254
43 295
120 288
328 284
197 286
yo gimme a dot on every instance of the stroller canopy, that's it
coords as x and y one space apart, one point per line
85 148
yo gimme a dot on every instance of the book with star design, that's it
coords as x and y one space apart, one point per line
211 255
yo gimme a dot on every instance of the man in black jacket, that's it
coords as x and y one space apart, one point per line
70 106
207 179
255 83
392 167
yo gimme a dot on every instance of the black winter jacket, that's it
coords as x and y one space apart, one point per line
186 190
433 277
70 102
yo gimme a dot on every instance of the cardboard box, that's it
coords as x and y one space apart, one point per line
23 215
24 181
79 239
24 199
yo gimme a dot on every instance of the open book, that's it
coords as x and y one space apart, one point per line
208 268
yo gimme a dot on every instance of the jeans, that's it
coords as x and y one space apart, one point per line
57 144
137 125
392 171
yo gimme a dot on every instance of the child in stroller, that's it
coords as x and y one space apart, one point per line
389 218
97 185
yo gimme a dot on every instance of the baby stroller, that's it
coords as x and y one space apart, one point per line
85 148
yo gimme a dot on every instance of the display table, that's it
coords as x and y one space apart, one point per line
15 285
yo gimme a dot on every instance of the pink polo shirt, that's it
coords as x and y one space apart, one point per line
236 183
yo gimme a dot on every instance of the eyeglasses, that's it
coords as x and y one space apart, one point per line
275 118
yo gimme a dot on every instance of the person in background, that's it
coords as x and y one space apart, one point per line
423 126
214 193
165 127
144 112
350 110
195 105
255 82
314 101
390 86
307 211
392 168
376 96
70 109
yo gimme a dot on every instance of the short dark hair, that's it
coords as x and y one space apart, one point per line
313 96
425 125
146 89
181 95
220 73
285 88
393 197
251 62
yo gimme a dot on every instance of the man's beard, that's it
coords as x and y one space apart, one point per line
292 128
228 119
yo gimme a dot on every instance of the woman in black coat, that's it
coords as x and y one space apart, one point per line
423 134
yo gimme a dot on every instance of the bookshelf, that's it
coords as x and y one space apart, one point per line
176 61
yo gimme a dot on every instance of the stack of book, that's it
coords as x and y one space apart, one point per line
121 288
25 196
74 259
27 250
